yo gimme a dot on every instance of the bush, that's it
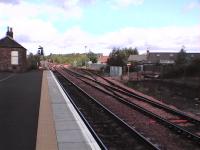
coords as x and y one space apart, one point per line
32 61
192 69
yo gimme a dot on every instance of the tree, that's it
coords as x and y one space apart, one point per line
193 68
181 58
33 61
119 57
92 57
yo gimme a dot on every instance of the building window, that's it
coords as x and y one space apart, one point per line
14 58
171 55
158 55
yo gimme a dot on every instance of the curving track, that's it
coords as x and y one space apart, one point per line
169 123
180 121
113 132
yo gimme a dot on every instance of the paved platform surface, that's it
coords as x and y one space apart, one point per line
46 135
71 132
5 75
37 115
19 108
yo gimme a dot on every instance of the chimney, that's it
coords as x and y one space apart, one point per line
9 32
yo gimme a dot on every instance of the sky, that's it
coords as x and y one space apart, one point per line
79 26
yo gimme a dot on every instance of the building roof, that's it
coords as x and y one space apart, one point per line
8 42
167 57
137 58
103 59
159 57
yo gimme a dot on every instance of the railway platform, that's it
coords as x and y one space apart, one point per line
37 115
19 107
59 125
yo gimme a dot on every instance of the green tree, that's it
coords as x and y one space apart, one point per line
193 68
119 57
92 57
69 58
181 58
33 61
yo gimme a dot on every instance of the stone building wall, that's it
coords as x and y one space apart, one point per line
5 60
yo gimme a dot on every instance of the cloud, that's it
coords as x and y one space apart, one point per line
29 11
161 39
23 38
87 2
35 25
191 5
71 3
125 3
10 1
157 39
75 39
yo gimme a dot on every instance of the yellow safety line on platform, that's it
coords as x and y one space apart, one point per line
46 134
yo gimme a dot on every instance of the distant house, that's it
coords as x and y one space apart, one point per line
151 59
12 54
160 57
101 63
167 57
102 59
137 58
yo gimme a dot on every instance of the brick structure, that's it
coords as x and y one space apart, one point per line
12 54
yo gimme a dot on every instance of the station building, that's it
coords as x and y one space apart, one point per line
12 54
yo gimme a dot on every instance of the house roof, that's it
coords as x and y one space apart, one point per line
167 57
137 58
9 42
103 59
162 56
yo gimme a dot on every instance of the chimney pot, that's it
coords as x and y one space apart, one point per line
9 32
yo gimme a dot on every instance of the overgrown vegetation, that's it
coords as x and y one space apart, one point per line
73 59
92 57
181 58
33 61
119 57
183 67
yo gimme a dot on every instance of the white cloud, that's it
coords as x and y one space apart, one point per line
71 3
192 5
34 26
125 3
43 11
161 39
74 39
10 1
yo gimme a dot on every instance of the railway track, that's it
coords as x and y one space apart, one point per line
134 95
177 119
171 125
109 130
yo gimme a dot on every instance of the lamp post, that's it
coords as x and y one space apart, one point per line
128 65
